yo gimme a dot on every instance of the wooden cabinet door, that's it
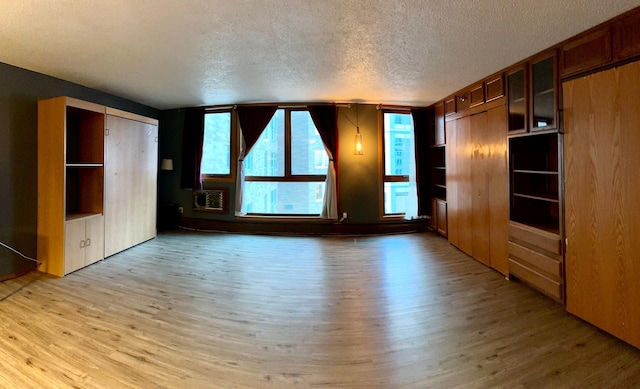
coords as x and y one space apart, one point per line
480 189
465 187
441 213
433 222
452 182
602 199
498 178
74 244
130 183
94 240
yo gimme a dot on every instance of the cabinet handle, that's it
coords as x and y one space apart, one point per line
88 242
82 244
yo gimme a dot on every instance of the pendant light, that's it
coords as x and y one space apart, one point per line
358 146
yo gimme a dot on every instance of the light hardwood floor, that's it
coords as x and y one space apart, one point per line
204 310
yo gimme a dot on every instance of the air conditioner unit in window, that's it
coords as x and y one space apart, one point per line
210 199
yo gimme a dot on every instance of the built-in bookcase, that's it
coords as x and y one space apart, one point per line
535 181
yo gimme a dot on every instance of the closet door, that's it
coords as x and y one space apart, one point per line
465 185
130 183
498 178
480 181
602 199
452 181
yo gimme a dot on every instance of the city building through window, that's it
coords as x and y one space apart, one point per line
399 163
285 170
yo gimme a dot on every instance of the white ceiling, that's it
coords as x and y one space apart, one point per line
177 53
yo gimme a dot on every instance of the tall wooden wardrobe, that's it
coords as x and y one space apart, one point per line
96 182
602 199
477 185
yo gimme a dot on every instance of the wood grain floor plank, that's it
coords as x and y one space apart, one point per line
203 310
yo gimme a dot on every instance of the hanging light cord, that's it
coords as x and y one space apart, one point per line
20 254
357 121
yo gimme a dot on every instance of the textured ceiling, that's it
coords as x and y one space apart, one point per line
177 53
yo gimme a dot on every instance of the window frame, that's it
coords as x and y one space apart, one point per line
288 176
389 178
233 146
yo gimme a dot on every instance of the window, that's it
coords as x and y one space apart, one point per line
216 147
285 170
398 162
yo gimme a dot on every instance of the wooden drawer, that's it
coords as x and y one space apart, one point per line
538 240
535 257
546 285
551 267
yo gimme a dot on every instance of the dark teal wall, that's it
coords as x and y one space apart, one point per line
358 175
20 91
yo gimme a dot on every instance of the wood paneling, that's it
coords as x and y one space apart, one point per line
453 181
479 182
587 52
476 95
465 189
450 106
495 87
498 178
51 208
602 196
463 101
130 183
626 36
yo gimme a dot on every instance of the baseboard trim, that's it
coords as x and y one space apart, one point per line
275 227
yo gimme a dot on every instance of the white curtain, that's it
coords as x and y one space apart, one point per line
412 198
330 202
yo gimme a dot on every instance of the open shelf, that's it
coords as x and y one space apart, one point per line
85 137
535 181
80 165
540 172
539 198
84 190
438 173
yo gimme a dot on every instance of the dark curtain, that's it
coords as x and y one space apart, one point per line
423 122
253 120
192 138
325 117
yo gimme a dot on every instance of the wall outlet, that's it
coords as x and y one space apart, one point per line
180 210
344 215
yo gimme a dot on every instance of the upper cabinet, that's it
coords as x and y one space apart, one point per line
602 46
517 100
626 36
532 101
543 81
469 99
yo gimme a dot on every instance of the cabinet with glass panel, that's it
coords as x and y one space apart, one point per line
532 95
535 250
